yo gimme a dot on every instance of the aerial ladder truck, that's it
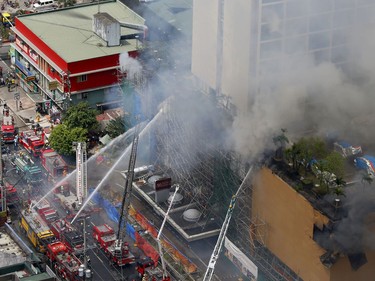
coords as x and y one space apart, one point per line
81 179
166 276
119 251
120 244
220 241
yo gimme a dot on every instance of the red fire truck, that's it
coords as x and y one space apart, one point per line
148 271
32 141
45 210
53 163
11 194
65 264
8 129
67 233
118 254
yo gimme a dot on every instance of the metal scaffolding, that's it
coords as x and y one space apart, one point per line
209 174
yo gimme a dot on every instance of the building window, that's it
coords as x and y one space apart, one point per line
82 78
319 40
84 96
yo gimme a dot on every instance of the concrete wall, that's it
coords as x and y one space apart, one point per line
290 221
236 47
204 36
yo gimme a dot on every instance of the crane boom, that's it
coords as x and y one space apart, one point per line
220 241
165 275
128 186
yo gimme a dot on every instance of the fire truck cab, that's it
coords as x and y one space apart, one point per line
32 141
66 264
8 129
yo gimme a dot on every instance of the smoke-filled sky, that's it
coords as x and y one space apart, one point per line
303 89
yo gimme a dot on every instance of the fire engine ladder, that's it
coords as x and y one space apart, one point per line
81 179
128 189
220 241
165 273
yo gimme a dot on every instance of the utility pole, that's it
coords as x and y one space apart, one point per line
3 203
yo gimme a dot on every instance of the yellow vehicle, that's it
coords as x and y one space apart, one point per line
6 19
37 230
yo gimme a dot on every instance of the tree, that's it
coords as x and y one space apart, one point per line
62 138
81 115
294 154
280 141
118 126
335 163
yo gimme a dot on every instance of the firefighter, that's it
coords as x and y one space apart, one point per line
5 108
145 277
16 142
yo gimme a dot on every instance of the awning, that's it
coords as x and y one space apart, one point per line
106 139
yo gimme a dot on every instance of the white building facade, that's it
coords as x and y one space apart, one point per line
235 43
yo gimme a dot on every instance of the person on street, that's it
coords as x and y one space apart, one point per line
16 142
5 108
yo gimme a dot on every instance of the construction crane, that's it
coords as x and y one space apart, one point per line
166 277
220 241
127 193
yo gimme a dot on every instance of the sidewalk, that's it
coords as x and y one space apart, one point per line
27 115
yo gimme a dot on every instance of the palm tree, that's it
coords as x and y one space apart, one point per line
339 187
280 141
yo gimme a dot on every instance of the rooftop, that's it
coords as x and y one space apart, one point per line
177 13
69 32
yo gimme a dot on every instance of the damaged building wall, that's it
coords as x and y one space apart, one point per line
290 221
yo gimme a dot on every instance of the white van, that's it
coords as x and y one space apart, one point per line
43 4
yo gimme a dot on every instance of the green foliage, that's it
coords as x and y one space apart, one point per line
339 191
62 138
281 139
81 115
335 163
118 126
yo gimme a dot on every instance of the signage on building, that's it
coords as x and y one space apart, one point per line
240 260
163 184
30 78
52 85
162 188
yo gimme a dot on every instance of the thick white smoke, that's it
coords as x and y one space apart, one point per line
130 66
308 91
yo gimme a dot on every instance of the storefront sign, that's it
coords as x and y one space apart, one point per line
52 85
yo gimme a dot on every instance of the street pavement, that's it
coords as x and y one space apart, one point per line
26 114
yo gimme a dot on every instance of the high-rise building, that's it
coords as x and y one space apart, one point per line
237 43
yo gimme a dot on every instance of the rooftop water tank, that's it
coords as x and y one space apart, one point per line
177 198
192 215
151 181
